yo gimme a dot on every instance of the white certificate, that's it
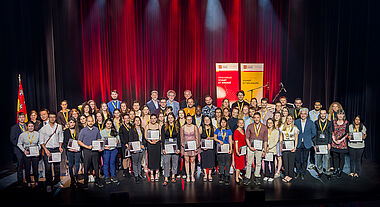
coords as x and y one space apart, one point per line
55 157
170 148
127 153
321 150
73 144
33 151
243 150
97 145
258 144
223 148
288 145
135 146
268 157
357 137
207 144
153 134
190 145
110 142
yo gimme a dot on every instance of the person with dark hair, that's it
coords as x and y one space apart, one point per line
44 115
114 103
273 138
264 112
90 157
136 108
207 155
124 136
75 114
33 118
169 136
51 141
254 104
184 104
240 103
339 142
356 148
16 130
82 122
223 135
296 111
208 109
27 139
189 133
313 116
137 134
86 109
284 102
232 122
162 108
217 118
256 132
153 147
198 118
63 115
73 156
109 153
190 109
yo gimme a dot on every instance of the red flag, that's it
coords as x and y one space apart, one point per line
21 107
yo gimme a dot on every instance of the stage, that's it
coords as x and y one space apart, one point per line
312 190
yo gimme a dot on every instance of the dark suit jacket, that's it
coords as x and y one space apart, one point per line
151 106
134 136
15 133
307 135
194 122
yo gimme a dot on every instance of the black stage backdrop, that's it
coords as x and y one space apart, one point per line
329 52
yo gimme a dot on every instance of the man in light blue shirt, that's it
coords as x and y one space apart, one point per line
314 114
250 119
171 102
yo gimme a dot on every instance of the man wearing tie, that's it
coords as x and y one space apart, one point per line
307 132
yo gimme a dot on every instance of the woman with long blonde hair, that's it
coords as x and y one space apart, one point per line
333 110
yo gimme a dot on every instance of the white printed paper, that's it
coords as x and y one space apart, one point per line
73 144
321 150
135 146
190 145
258 144
153 134
97 145
55 157
207 144
110 142
288 145
357 137
223 148
33 151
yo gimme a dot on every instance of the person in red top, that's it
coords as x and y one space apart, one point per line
239 138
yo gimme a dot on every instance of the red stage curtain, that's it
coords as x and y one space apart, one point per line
137 46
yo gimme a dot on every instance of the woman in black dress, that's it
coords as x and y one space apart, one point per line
154 148
207 155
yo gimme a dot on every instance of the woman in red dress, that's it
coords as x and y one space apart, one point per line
239 138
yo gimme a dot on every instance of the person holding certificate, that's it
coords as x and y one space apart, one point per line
239 138
110 136
51 141
323 141
73 153
271 150
86 138
256 138
136 144
339 142
289 141
29 144
153 139
223 139
124 136
190 142
278 162
208 151
358 133
170 147
305 136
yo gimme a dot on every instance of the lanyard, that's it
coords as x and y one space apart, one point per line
296 114
127 127
22 128
208 132
72 134
117 125
240 107
196 121
356 129
171 128
257 131
262 117
30 141
223 135
140 133
117 104
66 116
287 132
181 123
100 128
324 127
269 135
108 132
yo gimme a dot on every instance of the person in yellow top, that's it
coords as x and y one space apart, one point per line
190 109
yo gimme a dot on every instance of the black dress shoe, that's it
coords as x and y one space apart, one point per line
257 181
339 173
221 179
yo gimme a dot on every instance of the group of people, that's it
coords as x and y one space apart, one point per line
174 139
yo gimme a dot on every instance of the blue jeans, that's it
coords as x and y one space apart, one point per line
74 160
109 162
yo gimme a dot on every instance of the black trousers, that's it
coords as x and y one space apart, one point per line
90 159
31 162
312 155
20 162
355 159
56 168
269 172
224 163
288 159
302 155
338 158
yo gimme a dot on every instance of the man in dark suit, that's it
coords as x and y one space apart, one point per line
16 130
153 103
187 94
307 131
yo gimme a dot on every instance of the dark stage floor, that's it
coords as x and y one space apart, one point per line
311 191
